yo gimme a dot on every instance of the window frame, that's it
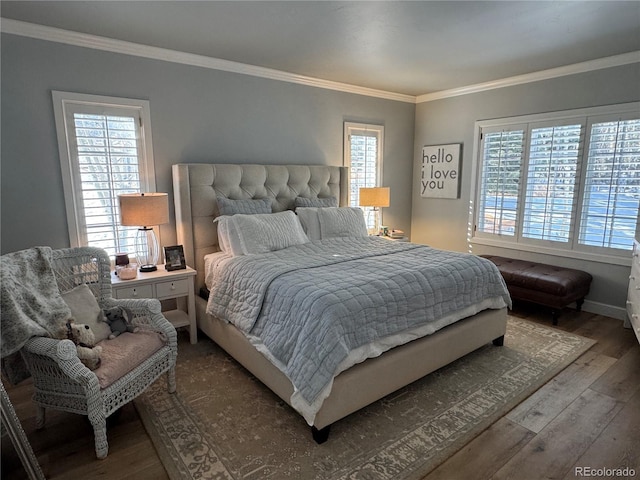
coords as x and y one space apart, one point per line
364 129
572 249
64 105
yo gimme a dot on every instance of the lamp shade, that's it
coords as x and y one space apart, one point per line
144 209
374 197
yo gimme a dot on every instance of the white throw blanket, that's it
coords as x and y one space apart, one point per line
31 305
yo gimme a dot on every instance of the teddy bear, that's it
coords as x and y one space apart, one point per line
119 320
82 335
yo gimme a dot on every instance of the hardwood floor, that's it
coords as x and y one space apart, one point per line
588 416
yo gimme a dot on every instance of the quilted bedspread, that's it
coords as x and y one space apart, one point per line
310 305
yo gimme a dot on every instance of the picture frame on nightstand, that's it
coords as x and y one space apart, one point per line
174 258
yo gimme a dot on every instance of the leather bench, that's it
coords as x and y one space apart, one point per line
548 285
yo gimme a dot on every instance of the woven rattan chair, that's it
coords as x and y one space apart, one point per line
62 382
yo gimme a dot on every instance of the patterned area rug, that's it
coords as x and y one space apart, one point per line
224 424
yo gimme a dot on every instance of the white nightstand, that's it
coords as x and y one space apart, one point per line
164 285
401 239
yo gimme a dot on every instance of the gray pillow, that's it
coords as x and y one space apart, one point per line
248 206
319 202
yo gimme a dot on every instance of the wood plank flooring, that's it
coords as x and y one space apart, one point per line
588 416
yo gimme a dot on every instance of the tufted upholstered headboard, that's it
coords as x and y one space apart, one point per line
196 186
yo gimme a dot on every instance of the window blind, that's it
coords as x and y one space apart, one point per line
363 156
551 182
108 160
501 167
565 182
612 185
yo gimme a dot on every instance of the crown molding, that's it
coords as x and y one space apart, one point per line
51 34
597 64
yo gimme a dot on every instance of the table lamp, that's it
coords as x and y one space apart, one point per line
143 210
376 197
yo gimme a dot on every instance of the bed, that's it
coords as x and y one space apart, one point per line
362 380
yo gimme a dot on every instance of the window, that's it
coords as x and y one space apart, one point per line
363 155
550 187
612 185
105 150
563 182
502 154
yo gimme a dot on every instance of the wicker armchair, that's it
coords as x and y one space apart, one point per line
62 382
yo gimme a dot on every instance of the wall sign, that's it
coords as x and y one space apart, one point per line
440 171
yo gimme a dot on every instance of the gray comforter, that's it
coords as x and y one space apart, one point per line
311 304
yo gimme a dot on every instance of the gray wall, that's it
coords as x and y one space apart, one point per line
197 115
443 223
201 115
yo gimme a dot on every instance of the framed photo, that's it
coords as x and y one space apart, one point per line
174 258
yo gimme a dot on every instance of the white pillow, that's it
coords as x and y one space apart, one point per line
227 236
342 222
261 233
85 309
308 217
223 234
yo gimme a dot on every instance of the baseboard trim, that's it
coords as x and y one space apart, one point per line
618 313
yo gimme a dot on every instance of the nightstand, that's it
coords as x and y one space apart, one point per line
401 239
164 285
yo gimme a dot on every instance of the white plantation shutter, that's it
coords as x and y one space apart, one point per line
108 160
363 164
564 183
106 155
363 156
551 186
500 179
612 185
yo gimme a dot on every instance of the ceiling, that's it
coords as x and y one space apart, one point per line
411 48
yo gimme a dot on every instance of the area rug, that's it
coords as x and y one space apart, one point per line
224 424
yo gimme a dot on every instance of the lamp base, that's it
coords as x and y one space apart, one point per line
147 250
376 221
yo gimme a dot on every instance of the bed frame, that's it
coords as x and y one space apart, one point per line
195 189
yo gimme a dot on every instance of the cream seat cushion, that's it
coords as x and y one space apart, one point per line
124 353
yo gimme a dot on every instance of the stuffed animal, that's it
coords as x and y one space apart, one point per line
119 320
82 335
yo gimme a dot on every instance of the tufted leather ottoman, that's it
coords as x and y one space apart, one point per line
547 285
